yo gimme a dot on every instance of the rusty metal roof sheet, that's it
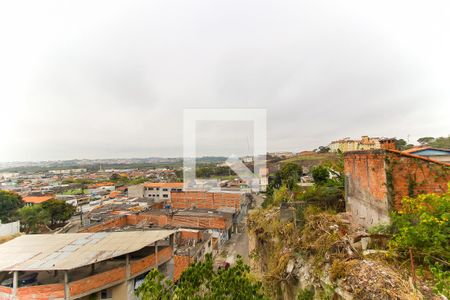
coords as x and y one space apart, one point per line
68 251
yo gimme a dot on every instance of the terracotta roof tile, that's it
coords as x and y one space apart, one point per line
36 199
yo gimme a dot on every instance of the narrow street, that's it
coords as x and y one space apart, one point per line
238 244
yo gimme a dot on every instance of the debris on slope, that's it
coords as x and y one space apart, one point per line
327 254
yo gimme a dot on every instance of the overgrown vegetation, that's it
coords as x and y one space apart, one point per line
422 226
328 245
327 192
202 281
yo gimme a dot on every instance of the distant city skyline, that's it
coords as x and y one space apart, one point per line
110 79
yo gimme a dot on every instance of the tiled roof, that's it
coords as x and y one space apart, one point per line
37 199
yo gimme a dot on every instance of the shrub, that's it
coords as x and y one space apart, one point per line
423 225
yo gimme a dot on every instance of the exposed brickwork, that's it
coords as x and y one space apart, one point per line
41 292
5 292
205 200
413 175
161 220
190 235
145 263
96 281
181 263
38 292
377 181
103 226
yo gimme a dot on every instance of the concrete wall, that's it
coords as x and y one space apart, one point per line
9 228
136 191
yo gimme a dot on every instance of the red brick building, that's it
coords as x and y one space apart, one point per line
205 200
377 180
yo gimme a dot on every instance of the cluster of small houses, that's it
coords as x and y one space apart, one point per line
119 239
129 230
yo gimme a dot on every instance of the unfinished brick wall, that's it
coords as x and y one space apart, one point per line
190 235
5 292
181 263
204 222
116 222
97 281
412 175
42 292
205 200
191 221
377 180
38 292
161 220
366 191
145 263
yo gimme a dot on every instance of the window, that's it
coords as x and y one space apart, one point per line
165 190
106 294
165 196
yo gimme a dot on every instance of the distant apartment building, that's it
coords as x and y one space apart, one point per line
155 190
365 143
162 190
103 265
281 154
247 159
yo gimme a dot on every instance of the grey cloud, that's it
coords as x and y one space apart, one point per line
112 79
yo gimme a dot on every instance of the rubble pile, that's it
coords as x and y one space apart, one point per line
330 255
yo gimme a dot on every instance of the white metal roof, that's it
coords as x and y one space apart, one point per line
68 251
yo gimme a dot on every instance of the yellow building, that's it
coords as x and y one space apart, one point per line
347 144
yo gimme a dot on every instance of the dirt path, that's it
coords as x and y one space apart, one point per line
238 244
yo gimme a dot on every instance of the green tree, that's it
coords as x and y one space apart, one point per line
9 203
290 174
323 149
321 174
425 140
155 287
33 217
401 144
283 194
202 281
441 142
58 210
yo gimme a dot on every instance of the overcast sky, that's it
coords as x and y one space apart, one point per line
103 79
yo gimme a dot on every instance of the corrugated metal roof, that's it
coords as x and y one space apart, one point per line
68 251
